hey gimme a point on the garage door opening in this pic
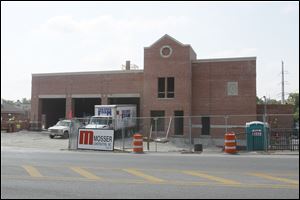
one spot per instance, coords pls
(85, 107)
(52, 111)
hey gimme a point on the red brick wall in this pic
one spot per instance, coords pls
(209, 88)
(178, 65)
(209, 92)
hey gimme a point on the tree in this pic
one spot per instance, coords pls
(259, 100)
(25, 101)
(269, 101)
(293, 99)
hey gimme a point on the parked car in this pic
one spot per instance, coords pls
(62, 128)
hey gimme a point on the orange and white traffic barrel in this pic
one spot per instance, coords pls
(230, 143)
(137, 143)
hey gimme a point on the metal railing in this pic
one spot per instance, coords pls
(284, 139)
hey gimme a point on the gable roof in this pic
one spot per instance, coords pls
(167, 36)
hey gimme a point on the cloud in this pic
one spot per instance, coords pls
(106, 40)
(60, 24)
(107, 23)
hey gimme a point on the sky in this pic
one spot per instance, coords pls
(49, 37)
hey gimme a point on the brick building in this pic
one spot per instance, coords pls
(173, 83)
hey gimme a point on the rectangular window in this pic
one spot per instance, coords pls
(159, 122)
(166, 87)
(170, 87)
(161, 88)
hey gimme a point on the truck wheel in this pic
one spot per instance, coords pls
(51, 136)
(66, 134)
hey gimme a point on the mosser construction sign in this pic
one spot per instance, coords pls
(96, 139)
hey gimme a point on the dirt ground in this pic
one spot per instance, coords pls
(41, 141)
(31, 139)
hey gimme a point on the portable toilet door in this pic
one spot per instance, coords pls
(256, 138)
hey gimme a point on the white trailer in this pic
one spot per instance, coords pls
(113, 117)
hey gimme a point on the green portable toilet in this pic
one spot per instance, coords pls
(256, 137)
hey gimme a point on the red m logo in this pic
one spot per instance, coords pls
(86, 137)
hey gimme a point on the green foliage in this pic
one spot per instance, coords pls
(269, 101)
(293, 99)
(25, 101)
(259, 100)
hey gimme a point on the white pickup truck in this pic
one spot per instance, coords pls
(62, 128)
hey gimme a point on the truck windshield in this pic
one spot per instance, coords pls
(101, 120)
(63, 123)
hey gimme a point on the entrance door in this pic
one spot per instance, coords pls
(160, 121)
(178, 122)
(205, 125)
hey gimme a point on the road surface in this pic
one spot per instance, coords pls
(34, 173)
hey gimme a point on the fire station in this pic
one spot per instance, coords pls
(174, 82)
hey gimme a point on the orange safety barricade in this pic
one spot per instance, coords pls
(137, 143)
(230, 143)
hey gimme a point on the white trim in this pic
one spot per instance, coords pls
(256, 122)
(224, 59)
(226, 147)
(86, 96)
(168, 47)
(91, 72)
(137, 140)
(52, 96)
(138, 147)
(124, 95)
(230, 141)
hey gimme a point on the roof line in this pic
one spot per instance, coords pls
(166, 35)
(90, 72)
(224, 59)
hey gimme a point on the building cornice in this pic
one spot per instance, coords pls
(225, 59)
(89, 73)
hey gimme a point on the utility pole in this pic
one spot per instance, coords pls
(282, 83)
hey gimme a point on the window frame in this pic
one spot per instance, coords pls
(166, 87)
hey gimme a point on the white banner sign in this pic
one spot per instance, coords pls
(96, 139)
(256, 132)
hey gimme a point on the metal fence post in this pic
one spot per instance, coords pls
(155, 119)
(123, 133)
(148, 138)
(190, 133)
(226, 123)
(70, 134)
(264, 119)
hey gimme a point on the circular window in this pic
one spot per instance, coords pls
(165, 51)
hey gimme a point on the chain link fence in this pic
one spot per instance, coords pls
(183, 133)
